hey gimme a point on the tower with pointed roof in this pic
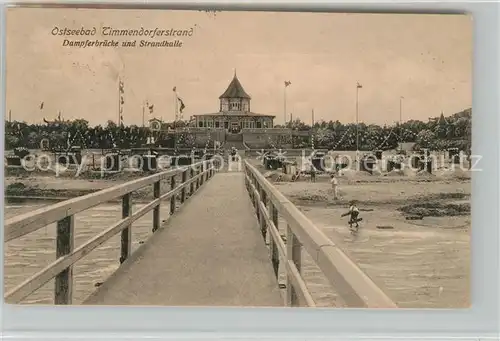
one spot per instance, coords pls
(235, 97)
(234, 115)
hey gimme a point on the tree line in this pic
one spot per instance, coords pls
(439, 133)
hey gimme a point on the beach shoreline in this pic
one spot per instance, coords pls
(45, 186)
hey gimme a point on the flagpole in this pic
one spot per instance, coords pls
(284, 104)
(41, 109)
(119, 101)
(175, 118)
(143, 105)
(401, 118)
(10, 116)
(176, 106)
(357, 121)
(312, 118)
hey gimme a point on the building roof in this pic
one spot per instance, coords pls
(235, 113)
(235, 90)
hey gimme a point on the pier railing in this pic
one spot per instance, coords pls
(192, 178)
(353, 286)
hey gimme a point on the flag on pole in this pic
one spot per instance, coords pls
(41, 106)
(181, 108)
(121, 88)
(287, 83)
(359, 86)
(180, 101)
(151, 108)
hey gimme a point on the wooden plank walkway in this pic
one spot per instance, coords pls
(210, 253)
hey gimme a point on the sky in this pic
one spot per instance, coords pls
(426, 59)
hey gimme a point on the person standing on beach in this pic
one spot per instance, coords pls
(313, 173)
(335, 183)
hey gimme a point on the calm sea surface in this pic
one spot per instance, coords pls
(417, 268)
(31, 253)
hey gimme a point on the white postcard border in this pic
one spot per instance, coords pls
(480, 321)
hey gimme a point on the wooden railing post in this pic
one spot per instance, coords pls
(126, 237)
(256, 200)
(250, 183)
(216, 165)
(202, 176)
(257, 187)
(263, 225)
(294, 254)
(65, 243)
(252, 193)
(183, 191)
(245, 171)
(207, 167)
(265, 232)
(156, 210)
(197, 183)
(275, 258)
(191, 186)
(172, 200)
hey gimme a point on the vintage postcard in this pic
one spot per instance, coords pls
(225, 158)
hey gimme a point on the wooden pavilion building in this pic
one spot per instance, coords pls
(235, 124)
(234, 112)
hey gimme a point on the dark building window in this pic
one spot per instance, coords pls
(200, 124)
(216, 124)
(259, 124)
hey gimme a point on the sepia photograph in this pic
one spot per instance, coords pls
(237, 158)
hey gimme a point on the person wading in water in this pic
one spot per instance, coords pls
(353, 216)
